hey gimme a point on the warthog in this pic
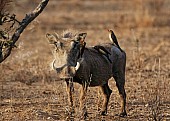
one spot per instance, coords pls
(89, 70)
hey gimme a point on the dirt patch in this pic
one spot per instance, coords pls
(29, 90)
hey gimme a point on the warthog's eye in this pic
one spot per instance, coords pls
(58, 44)
(61, 44)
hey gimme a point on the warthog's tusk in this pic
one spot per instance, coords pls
(53, 65)
(57, 69)
(77, 66)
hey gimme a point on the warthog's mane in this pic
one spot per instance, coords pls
(68, 34)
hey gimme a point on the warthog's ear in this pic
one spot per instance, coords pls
(52, 38)
(81, 37)
(82, 42)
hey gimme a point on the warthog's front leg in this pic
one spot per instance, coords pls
(70, 96)
(106, 92)
(83, 101)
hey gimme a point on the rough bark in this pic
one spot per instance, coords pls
(5, 52)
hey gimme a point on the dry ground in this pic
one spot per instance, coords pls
(29, 90)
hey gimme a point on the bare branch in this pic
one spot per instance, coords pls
(5, 52)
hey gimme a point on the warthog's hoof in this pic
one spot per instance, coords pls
(84, 115)
(71, 110)
(123, 114)
(103, 113)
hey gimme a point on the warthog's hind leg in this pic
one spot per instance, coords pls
(106, 92)
(120, 82)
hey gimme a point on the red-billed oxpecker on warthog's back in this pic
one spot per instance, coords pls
(89, 68)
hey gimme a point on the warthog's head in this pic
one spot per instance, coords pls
(67, 51)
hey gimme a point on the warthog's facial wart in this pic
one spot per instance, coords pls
(67, 51)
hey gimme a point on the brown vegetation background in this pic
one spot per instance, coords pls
(29, 90)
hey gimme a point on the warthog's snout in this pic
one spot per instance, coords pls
(66, 71)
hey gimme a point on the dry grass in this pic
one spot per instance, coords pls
(29, 90)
